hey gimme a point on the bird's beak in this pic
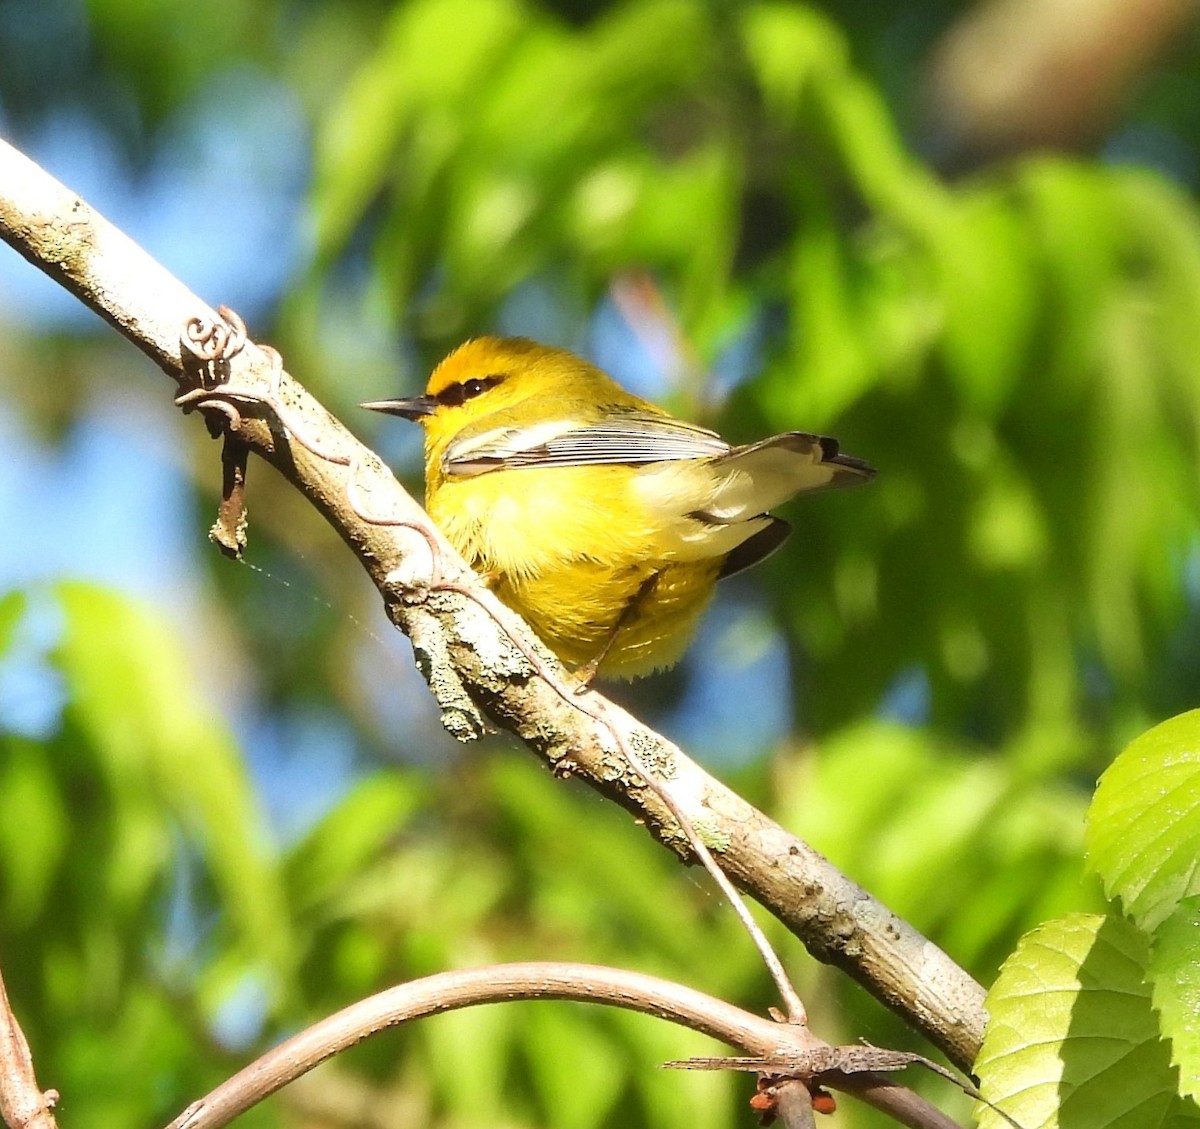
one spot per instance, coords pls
(413, 408)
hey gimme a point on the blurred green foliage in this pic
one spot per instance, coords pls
(144, 908)
(1015, 352)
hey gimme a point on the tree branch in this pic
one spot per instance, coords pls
(23, 1104)
(463, 638)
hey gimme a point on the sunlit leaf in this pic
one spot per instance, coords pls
(837, 363)
(414, 72)
(1175, 978)
(1075, 227)
(1143, 829)
(1073, 1040)
(983, 254)
(785, 44)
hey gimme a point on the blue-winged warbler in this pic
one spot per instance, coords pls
(601, 519)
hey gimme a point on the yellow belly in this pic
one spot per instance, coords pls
(569, 549)
(575, 608)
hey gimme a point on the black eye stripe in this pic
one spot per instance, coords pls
(454, 395)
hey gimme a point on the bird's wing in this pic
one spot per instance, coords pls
(628, 438)
(758, 477)
(766, 535)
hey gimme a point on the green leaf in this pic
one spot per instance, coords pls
(469, 1050)
(354, 833)
(553, 827)
(578, 1091)
(784, 45)
(34, 829)
(165, 754)
(434, 53)
(801, 61)
(837, 360)
(989, 294)
(1007, 850)
(1175, 977)
(1074, 219)
(12, 608)
(699, 1099)
(1073, 1040)
(1143, 828)
(1160, 222)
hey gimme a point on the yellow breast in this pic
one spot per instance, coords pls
(569, 548)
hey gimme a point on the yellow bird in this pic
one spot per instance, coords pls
(601, 519)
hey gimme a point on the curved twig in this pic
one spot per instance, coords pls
(537, 980)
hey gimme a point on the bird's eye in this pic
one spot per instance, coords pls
(479, 385)
(454, 395)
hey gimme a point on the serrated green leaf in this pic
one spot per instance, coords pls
(1143, 828)
(1073, 1042)
(1175, 980)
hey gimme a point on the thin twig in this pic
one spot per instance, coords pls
(793, 1006)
